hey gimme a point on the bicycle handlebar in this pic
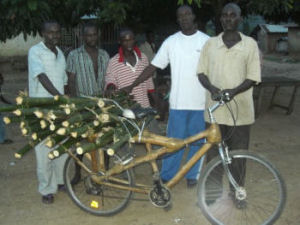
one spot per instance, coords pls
(222, 97)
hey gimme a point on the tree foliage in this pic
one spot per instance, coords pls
(271, 10)
(26, 16)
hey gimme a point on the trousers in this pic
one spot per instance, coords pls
(238, 139)
(49, 172)
(183, 124)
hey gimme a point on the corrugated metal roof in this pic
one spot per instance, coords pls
(276, 28)
(89, 17)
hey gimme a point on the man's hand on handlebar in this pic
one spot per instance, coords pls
(225, 95)
(228, 94)
(215, 93)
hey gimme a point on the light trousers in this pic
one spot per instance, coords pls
(49, 172)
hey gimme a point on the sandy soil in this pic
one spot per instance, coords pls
(275, 135)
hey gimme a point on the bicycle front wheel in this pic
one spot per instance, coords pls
(97, 199)
(262, 191)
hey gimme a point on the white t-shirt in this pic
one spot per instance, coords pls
(43, 60)
(183, 53)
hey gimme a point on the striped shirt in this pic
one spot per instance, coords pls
(122, 74)
(80, 63)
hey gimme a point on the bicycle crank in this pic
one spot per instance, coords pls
(160, 196)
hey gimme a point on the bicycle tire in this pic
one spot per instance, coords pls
(100, 200)
(265, 189)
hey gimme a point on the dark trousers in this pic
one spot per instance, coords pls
(238, 140)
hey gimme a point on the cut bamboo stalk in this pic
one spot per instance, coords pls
(78, 118)
(51, 101)
(100, 103)
(63, 99)
(51, 155)
(114, 147)
(7, 108)
(104, 117)
(38, 114)
(52, 127)
(25, 111)
(30, 128)
(43, 124)
(96, 123)
(19, 154)
(105, 139)
(40, 135)
(61, 131)
(11, 119)
(53, 140)
(63, 147)
(30, 102)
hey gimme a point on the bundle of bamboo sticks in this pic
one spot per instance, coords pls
(63, 122)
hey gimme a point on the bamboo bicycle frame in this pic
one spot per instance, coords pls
(168, 145)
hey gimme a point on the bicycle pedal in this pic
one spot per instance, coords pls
(93, 191)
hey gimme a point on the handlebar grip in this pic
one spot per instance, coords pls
(226, 97)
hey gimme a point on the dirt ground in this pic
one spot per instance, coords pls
(275, 135)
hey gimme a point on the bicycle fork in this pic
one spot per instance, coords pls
(240, 192)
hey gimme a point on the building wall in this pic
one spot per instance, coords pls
(294, 39)
(272, 41)
(18, 46)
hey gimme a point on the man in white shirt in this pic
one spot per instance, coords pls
(187, 97)
(47, 78)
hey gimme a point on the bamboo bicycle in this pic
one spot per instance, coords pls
(254, 196)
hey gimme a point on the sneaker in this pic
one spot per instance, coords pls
(48, 199)
(191, 183)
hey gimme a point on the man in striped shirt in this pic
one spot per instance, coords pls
(86, 65)
(126, 66)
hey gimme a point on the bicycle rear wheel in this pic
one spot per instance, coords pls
(100, 200)
(264, 191)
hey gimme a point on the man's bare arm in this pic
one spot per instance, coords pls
(47, 84)
(206, 83)
(232, 92)
(239, 89)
